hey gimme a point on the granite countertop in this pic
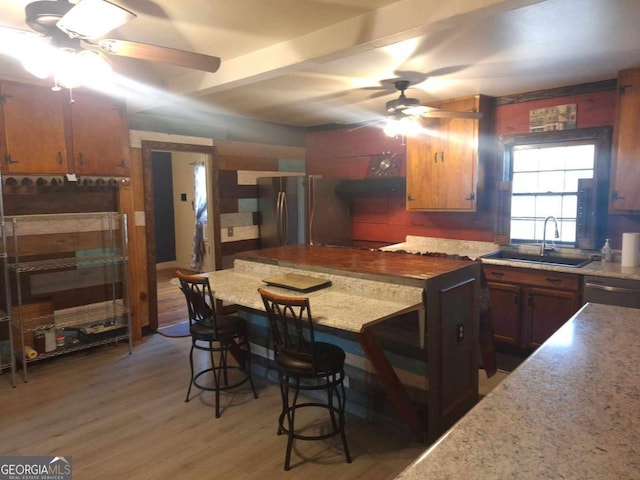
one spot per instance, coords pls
(595, 267)
(349, 304)
(571, 410)
(479, 250)
(422, 245)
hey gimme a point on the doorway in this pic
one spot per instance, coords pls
(210, 157)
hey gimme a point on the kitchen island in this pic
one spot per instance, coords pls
(379, 307)
(571, 410)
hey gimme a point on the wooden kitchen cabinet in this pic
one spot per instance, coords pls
(32, 131)
(625, 165)
(100, 136)
(42, 133)
(446, 168)
(528, 306)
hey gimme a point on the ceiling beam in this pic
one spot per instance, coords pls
(385, 26)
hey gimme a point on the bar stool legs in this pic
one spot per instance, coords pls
(219, 372)
(335, 406)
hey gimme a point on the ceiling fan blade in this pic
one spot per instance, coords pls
(365, 124)
(93, 19)
(450, 114)
(155, 53)
(432, 112)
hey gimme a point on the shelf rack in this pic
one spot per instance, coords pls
(7, 356)
(78, 242)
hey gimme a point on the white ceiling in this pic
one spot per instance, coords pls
(313, 62)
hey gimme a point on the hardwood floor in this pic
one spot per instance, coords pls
(172, 307)
(124, 416)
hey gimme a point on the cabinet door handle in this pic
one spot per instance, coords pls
(410, 198)
(471, 197)
(80, 159)
(497, 274)
(435, 157)
(442, 157)
(554, 280)
(59, 158)
(8, 160)
(616, 196)
(121, 163)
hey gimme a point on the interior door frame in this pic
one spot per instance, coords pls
(148, 147)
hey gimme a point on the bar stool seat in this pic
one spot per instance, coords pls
(218, 335)
(304, 365)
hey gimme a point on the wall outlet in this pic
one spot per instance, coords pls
(229, 231)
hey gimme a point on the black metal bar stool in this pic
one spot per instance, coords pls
(216, 334)
(304, 365)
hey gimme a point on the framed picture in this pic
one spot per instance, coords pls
(560, 117)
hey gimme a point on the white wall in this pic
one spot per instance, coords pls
(185, 219)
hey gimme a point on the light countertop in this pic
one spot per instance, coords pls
(349, 304)
(571, 410)
(464, 248)
(595, 267)
(474, 250)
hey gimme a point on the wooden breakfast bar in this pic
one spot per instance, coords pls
(369, 291)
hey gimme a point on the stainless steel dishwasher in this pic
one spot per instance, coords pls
(612, 291)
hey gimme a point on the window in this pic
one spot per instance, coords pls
(545, 182)
(557, 174)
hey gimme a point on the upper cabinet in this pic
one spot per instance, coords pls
(445, 167)
(41, 132)
(100, 136)
(625, 165)
(32, 134)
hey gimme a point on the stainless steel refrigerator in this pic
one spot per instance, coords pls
(302, 210)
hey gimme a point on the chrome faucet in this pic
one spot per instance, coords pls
(543, 247)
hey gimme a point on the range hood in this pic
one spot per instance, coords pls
(371, 186)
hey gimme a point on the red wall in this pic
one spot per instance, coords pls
(382, 219)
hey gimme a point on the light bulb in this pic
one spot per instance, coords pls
(94, 68)
(68, 69)
(391, 128)
(37, 58)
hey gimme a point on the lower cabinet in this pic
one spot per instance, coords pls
(528, 306)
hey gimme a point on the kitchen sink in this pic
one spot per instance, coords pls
(547, 259)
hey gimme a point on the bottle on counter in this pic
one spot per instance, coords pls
(606, 251)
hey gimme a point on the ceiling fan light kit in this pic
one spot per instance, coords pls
(68, 67)
(401, 126)
(66, 51)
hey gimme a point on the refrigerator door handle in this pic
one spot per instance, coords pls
(279, 217)
(285, 219)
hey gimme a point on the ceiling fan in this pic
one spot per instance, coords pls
(406, 106)
(81, 26)
(403, 112)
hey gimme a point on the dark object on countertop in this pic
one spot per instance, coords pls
(297, 282)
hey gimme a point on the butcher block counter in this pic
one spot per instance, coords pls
(438, 370)
(393, 267)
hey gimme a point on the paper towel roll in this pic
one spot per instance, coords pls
(29, 353)
(630, 249)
